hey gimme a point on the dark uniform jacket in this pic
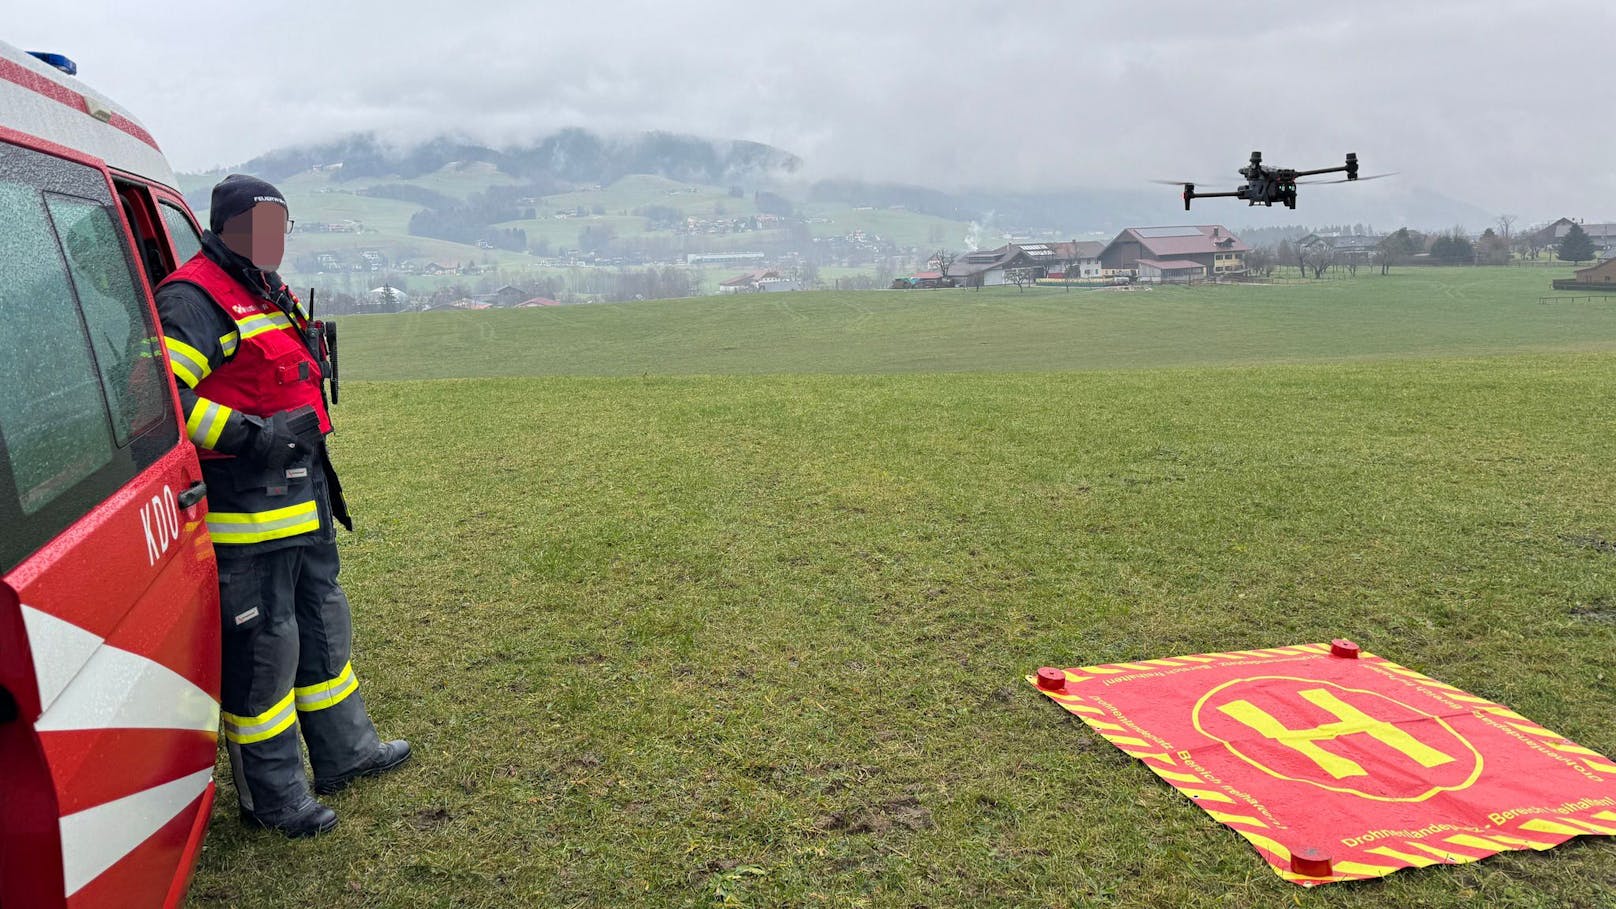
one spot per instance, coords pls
(239, 354)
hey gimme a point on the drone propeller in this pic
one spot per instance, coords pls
(1174, 182)
(1344, 180)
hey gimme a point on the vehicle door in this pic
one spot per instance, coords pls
(108, 587)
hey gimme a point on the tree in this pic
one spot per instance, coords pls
(1021, 277)
(1316, 257)
(1260, 261)
(1575, 247)
(1285, 253)
(595, 238)
(1396, 247)
(1505, 222)
(1453, 249)
(1491, 249)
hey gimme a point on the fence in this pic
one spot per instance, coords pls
(1590, 298)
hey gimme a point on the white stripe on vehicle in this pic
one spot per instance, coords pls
(95, 839)
(60, 650)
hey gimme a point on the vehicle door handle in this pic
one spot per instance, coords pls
(193, 494)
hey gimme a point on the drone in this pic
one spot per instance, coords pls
(1267, 185)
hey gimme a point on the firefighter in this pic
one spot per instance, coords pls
(252, 393)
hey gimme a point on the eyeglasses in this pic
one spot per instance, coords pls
(289, 223)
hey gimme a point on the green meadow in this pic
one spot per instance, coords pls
(728, 602)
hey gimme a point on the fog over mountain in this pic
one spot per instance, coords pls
(1483, 101)
(575, 157)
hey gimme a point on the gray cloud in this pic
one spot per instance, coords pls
(1495, 103)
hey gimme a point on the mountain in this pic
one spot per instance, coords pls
(572, 156)
(577, 159)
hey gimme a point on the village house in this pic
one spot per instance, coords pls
(1549, 237)
(1594, 277)
(1168, 252)
(758, 282)
(1076, 259)
(1354, 249)
(1168, 271)
(509, 295)
(1005, 265)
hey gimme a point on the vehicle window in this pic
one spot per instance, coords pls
(127, 350)
(51, 407)
(85, 403)
(186, 241)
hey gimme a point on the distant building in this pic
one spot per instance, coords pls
(1077, 258)
(1594, 277)
(758, 282)
(741, 258)
(536, 302)
(1210, 246)
(1549, 236)
(509, 295)
(1169, 271)
(994, 267)
(1356, 249)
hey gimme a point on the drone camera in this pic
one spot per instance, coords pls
(1352, 165)
(1189, 193)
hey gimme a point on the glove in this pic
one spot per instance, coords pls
(287, 436)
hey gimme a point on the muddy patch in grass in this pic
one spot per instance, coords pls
(900, 814)
(1600, 610)
(430, 818)
(1589, 541)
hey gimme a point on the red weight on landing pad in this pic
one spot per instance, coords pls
(1051, 679)
(1311, 863)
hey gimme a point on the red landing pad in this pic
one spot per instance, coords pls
(1339, 765)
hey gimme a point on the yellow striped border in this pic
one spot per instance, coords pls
(1534, 832)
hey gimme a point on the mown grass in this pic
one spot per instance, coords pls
(1418, 313)
(758, 639)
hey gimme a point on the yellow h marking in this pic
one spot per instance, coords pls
(1349, 721)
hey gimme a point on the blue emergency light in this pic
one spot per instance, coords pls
(58, 61)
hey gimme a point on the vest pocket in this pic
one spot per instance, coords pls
(292, 480)
(294, 368)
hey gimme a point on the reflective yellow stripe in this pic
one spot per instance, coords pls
(258, 526)
(258, 323)
(321, 695)
(206, 422)
(187, 362)
(228, 343)
(244, 730)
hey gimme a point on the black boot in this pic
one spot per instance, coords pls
(306, 818)
(388, 755)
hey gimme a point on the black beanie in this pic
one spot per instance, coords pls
(238, 193)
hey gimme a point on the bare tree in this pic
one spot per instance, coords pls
(1315, 257)
(1020, 277)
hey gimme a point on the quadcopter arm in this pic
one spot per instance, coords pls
(1322, 170)
(1190, 193)
(1350, 168)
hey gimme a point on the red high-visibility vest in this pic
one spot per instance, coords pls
(271, 368)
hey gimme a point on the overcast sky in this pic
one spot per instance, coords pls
(1503, 105)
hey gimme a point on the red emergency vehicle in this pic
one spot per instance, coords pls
(109, 627)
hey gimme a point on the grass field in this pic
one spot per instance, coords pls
(670, 627)
(1431, 312)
